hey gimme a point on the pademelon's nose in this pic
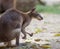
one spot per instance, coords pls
(41, 18)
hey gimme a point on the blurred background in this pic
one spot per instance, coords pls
(51, 6)
(46, 33)
(47, 30)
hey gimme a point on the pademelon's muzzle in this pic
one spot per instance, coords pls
(40, 17)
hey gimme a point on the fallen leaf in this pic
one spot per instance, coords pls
(46, 46)
(37, 40)
(58, 34)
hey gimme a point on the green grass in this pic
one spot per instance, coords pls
(48, 9)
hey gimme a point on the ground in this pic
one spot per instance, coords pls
(45, 33)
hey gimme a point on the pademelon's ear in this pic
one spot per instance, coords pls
(31, 11)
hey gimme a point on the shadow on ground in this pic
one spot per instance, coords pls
(26, 46)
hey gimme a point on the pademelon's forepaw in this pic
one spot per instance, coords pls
(31, 34)
(24, 37)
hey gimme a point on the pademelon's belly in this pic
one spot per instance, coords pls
(9, 36)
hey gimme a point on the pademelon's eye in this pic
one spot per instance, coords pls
(36, 14)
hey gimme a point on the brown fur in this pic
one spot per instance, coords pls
(12, 22)
(5, 6)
